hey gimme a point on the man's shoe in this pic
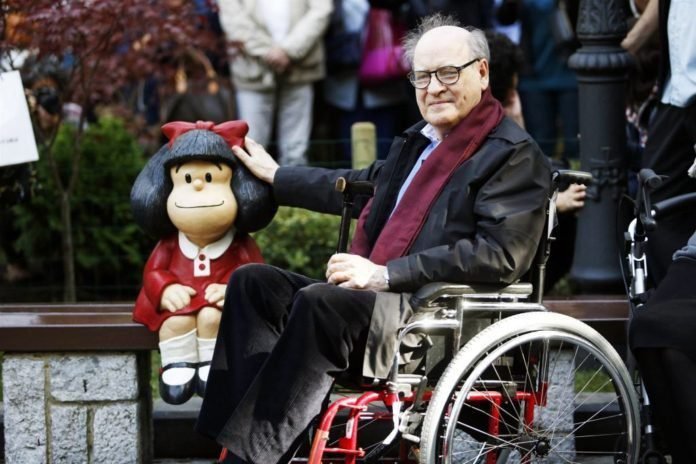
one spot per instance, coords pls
(179, 393)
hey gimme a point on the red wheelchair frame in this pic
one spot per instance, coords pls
(348, 449)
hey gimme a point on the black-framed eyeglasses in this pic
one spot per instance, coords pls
(447, 75)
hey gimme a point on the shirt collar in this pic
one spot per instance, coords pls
(429, 132)
(212, 250)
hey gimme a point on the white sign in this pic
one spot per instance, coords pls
(17, 143)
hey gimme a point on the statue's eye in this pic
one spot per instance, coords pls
(188, 178)
(208, 177)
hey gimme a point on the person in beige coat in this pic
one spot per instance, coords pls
(276, 54)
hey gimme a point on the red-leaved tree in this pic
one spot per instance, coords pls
(108, 44)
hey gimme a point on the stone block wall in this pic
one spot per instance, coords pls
(76, 408)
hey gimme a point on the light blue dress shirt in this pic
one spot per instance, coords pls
(680, 88)
(429, 132)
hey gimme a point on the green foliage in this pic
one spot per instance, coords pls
(300, 241)
(109, 247)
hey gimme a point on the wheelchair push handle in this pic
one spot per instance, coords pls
(571, 176)
(350, 190)
(649, 179)
(356, 187)
(647, 182)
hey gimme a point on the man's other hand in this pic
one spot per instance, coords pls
(353, 271)
(257, 159)
(571, 199)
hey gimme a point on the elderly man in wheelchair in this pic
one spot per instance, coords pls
(462, 197)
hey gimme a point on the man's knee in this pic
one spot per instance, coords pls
(250, 275)
(315, 295)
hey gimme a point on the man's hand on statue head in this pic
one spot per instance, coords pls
(353, 271)
(176, 296)
(257, 159)
(215, 294)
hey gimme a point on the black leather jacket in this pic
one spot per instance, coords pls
(484, 226)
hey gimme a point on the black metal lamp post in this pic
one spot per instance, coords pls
(601, 65)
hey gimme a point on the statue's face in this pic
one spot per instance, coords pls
(201, 204)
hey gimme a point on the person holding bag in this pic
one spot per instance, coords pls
(199, 94)
(381, 103)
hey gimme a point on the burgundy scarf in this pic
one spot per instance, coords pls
(404, 225)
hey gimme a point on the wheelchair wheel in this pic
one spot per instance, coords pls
(533, 388)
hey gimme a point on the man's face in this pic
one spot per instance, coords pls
(202, 204)
(444, 106)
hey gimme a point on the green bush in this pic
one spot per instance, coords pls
(300, 241)
(110, 249)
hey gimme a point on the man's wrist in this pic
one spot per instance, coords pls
(386, 276)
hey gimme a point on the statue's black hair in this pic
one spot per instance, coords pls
(256, 205)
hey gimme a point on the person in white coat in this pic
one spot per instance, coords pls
(276, 54)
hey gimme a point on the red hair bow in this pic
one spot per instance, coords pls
(232, 131)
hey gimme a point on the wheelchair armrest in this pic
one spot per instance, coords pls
(425, 296)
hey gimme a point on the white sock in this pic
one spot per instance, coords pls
(179, 349)
(206, 347)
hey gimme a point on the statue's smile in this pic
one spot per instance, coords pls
(199, 206)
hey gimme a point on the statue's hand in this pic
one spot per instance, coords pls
(176, 296)
(215, 294)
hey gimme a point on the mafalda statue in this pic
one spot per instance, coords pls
(201, 204)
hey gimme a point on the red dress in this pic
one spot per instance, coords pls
(169, 264)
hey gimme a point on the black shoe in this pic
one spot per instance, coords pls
(200, 383)
(177, 394)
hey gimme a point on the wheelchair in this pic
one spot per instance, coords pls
(504, 381)
(645, 219)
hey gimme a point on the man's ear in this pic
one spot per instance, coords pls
(483, 73)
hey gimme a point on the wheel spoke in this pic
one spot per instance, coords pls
(585, 397)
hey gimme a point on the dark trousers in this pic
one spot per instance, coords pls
(669, 377)
(669, 152)
(283, 337)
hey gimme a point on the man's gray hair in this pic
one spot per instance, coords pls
(477, 41)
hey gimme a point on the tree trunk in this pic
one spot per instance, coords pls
(69, 293)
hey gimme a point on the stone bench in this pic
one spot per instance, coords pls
(76, 382)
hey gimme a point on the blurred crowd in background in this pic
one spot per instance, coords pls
(292, 69)
(300, 72)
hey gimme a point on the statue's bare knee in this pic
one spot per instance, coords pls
(208, 322)
(175, 326)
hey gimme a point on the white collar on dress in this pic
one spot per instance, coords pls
(212, 250)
